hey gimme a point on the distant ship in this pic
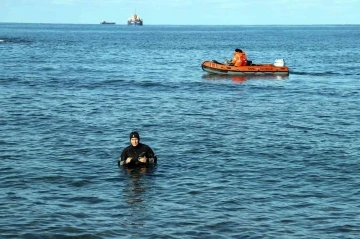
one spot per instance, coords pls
(135, 21)
(105, 22)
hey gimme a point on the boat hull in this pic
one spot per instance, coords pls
(135, 23)
(215, 67)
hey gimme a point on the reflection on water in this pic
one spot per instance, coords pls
(137, 184)
(242, 79)
(137, 187)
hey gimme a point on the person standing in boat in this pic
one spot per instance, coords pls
(137, 154)
(239, 58)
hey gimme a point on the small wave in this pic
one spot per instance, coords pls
(315, 73)
(47, 68)
(14, 40)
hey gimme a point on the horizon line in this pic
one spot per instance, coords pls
(124, 24)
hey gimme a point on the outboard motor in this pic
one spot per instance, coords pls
(279, 62)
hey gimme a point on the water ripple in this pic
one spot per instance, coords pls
(239, 157)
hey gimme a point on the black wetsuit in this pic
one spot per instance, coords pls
(135, 152)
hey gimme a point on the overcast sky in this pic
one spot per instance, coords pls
(183, 12)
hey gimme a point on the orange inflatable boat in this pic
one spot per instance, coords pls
(278, 68)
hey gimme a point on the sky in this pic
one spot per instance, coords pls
(183, 12)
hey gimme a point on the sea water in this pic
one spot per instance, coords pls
(238, 157)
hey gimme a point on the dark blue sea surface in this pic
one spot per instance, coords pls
(238, 157)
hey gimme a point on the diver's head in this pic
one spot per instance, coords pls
(134, 138)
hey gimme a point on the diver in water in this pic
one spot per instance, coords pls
(137, 154)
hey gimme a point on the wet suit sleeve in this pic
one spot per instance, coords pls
(151, 155)
(124, 155)
(122, 158)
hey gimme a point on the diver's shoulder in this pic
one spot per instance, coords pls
(144, 145)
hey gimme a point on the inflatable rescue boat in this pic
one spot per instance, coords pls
(277, 68)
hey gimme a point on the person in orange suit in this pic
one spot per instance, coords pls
(239, 58)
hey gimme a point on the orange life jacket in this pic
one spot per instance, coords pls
(239, 59)
(243, 58)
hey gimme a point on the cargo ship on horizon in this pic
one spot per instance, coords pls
(105, 22)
